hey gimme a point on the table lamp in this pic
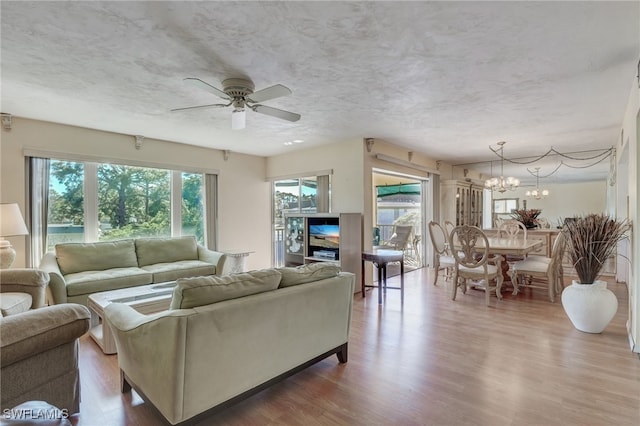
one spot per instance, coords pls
(11, 224)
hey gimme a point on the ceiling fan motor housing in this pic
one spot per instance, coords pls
(237, 87)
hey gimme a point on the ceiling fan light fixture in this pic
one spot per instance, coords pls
(238, 119)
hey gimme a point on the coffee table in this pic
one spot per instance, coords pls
(146, 299)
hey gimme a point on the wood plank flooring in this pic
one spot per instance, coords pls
(433, 361)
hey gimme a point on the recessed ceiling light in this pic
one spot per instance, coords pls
(298, 141)
(289, 143)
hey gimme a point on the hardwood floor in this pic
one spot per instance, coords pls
(432, 362)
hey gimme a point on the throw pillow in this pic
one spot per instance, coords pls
(307, 273)
(100, 256)
(200, 291)
(165, 250)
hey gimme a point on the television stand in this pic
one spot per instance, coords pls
(311, 259)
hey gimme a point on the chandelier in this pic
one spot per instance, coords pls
(537, 193)
(501, 184)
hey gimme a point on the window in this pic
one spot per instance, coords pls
(66, 203)
(100, 202)
(502, 209)
(294, 196)
(133, 202)
(505, 205)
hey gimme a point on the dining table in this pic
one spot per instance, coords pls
(510, 246)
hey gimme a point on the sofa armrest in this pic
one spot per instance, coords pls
(214, 257)
(123, 318)
(22, 280)
(57, 290)
(38, 330)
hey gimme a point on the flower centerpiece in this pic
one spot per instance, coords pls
(527, 217)
(590, 241)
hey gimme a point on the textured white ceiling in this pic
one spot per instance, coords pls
(448, 79)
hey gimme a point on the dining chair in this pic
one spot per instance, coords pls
(541, 271)
(448, 227)
(472, 261)
(512, 229)
(443, 258)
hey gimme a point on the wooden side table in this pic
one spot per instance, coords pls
(380, 258)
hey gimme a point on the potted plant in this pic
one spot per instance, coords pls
(589, 241)
(527, 217)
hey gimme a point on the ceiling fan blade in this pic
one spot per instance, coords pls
(202, 106)
(206, 86)
(275, 112)
(269, 93)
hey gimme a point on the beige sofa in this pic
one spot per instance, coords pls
(228, 337)
(77, 270)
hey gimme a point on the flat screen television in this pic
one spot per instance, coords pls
(324, 237)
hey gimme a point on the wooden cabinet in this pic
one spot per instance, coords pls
(462, 202)
(324, 237)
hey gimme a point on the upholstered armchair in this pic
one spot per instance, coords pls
(38, 344)
(39, 356)
(22, 289)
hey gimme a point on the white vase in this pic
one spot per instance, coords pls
(590, 307)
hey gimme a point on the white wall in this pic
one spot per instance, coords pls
(243, 197)
(564, 200)
(629, 143)
(344, 158)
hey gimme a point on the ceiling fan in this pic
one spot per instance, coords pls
(239, 94)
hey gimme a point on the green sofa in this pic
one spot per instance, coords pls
(77, 270)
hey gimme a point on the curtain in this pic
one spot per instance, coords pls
(38, 210)
(322, 194)
(211, 210)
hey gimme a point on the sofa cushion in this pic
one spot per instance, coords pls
(165, 250)
(14, 303)
(79, 257)
(182, 269)
(199, 291)
(307, 273)
(89, 282)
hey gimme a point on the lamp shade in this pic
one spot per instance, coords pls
(11, 221)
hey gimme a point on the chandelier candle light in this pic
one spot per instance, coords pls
(537, 193)
(502, 184)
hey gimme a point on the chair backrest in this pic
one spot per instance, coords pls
(438, 238)
(512, 229)
(557, 251)
(470, 246)
(400, 237)
(543, 223)
(448, 227)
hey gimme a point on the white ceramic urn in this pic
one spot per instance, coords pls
(590, 307)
